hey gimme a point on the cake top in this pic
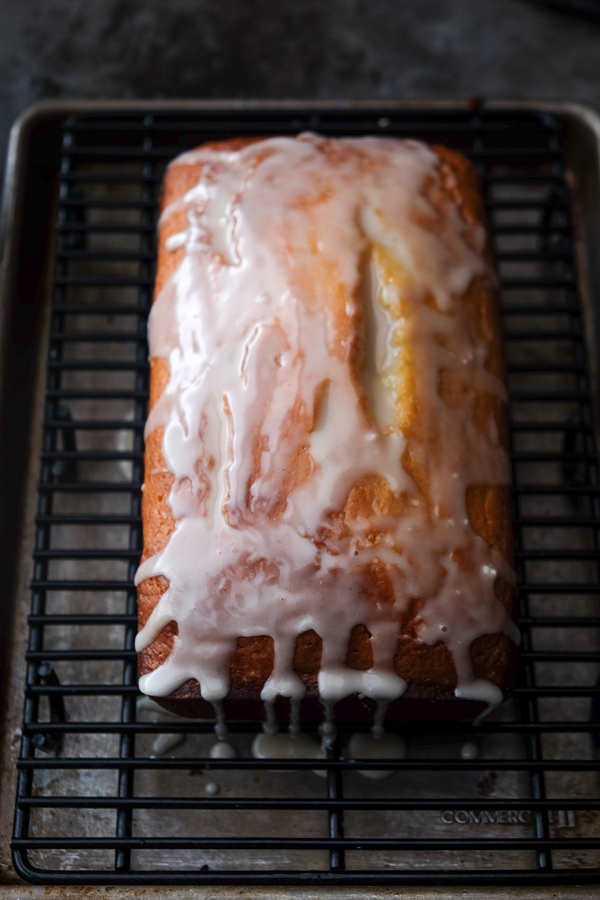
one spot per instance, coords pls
(321, 416)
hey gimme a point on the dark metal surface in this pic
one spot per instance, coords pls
(92, 799)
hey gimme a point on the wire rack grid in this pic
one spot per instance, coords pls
(96, 800)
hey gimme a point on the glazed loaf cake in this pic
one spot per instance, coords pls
(326, 503)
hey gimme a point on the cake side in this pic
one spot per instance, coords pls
(428, 667)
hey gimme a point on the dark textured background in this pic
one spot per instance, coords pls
(292, 48)
(321, 49)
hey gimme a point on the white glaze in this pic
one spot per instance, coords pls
(258, 376)
(176, 240)
(270, 724)
(327, 728)
(164, 743)
(469, 750)
(147, 704)
(378, 729)
(477, 689)
(286, 746)
(370, 746)
(221, 730)
(222, 750)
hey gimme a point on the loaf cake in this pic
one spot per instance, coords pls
(326, 502)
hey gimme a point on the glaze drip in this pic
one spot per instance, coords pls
(316, 274)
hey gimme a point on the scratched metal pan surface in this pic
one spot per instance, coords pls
(78, 230)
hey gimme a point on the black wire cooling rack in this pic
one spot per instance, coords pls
(96, 802)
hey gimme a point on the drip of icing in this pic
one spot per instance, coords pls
(327, 728)
(328, 732)
(375, 747)
(176, 240)
(164, 743)
(221, 730)
(294, 726)
(378, 730)
(222, 750)
(469, 750)
(271, 744)
(211, 788)
(479, 689)
(263, 373)
(270, 724)
(147, 704)
(286, 746)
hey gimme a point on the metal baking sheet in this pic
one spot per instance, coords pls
(23, 329)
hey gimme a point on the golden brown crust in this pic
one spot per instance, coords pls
(428, 669)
